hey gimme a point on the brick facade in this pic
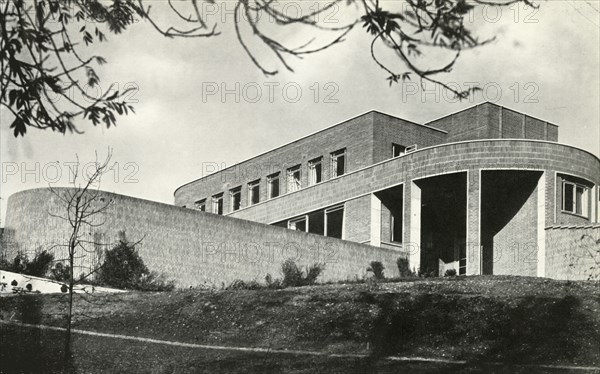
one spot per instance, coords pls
(191, 247)
(472, 143)
(573, 252)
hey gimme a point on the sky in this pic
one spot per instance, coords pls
(201, 101)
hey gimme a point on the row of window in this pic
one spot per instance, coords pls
(293, 183)
(327, 222)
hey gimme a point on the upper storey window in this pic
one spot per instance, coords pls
(200, 205)
(217, 204)
(398, 150)
(338, 163)
(254, 192)
(315, 171)
(293, 179)
(273, 185)
(575, 198)
(236, 198)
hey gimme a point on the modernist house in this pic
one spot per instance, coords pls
(477, 190)
(486, 190)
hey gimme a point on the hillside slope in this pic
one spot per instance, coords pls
(479, 319)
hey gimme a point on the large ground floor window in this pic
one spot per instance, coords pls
(327, 222)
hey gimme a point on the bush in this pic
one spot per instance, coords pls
(293, 276)
(155, 282)
(272, 284)
(60, 272)
(377, 269)
(450, 273)
(38, 267)
(239, 284)
(404, 268)
(124, 268)
(40, 264)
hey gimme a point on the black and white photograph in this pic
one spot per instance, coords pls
(299, 186)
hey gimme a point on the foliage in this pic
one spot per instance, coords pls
(43, 64)
(450, 273)
(38, 267)
(153, 281)
(123, 267)
(294, 276)
(239, 284)
(376, 267)
(61, 272)
(404, 267)
(43, 61)
(273, 284)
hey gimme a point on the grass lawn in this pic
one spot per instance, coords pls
(479, 319)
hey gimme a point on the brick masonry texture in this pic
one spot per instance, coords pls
(482, 138)
(446, 158)
(191, 247)
(515, 247)
(573, 253)
(490, 121)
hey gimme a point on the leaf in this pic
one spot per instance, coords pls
(19, 127)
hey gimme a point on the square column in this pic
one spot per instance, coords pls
(473, 242)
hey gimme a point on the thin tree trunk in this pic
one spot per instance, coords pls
(67, 356)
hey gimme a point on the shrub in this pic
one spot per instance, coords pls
(377, 269)
(60, 272)
(41, 263)
(272, 284)
(155, 282)
(18, 264)
(124, 268)
(404, 268)
(450, 273)
(38, 267)
(293, 276)
(239, 284)
(313, 273)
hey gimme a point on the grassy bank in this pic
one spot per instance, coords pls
(479, 319)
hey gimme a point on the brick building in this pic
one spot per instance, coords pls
(486, 190)
(475, 190)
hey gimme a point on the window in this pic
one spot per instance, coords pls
(328, 222)
(315, 168)
(293, 179)
(338, 163)
(200, 205)
(298, 224)
(254, 192)
(396, 228)
(217, 204)
(398, 150)
(575, 199)
(334, 222)
(273, 186)
(236, 198)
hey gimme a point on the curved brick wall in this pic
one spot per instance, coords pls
(189, 246)
(469, 156)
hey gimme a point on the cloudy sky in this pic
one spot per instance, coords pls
(544, 63)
